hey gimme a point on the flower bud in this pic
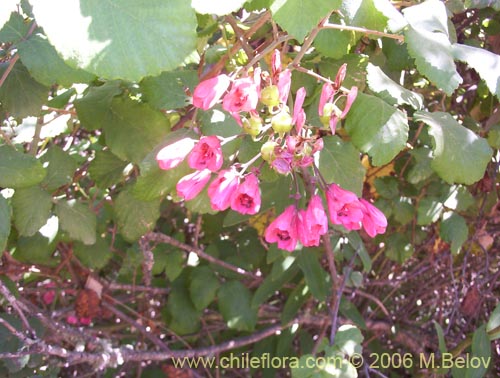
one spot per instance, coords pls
(252, 126)
(267, 151)
(270, 96)
(282, 122)
(328, 110)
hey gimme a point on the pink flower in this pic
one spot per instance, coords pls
(208, 92)
(351, 96)
(299, 116)
(344, 207)
(49, 296)
(327, 93)
(275, 63)
(222, 188)
(312, 223)
(283, 230)
(191, 185)
(172, 155)
(284, 83)
(207, 154)
(85, 320)
(72, 320)
(374, 221)
(246, 198)
(243, 96)
(339, 78)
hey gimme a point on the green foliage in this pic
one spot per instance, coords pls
(77, 220)
(234, 305)
(5, 215)
(18, 170)
(31, 207)
(138, 43)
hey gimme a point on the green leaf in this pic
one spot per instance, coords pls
(294, 302)
(460, 156)
(185, 318)
(387, 186)
(216, 122)
(484, 62)
(377, 128)
(35, 249)
(298, 17)
(481, 349)
(94, 256)
(334, 43)
(429, 210)
(493, 323)
(127, 39)
(217, 7)
(4, 222)
(20, 94)
(106, 169)
(167, 91)
(428, 42)
(494, 136)
(422, 169)
(340, 162)
(273, 283)
(454, 230)
(46, 66)
(349, 338)
(18, 170)
(130, 123)
(134, 217)
(364, 13)
(14, 29)
(390, 91)
(203, 286)
(350, 311)
(174, 264)
(6, 7)
(441, 339)
(315, 276)
(77, 220)
(31, 207)
(495, 4)
(234, 305)
(359, 247)
(157, 182)
(399, 248)
(95, 105)
(201, 203)
(60, 168)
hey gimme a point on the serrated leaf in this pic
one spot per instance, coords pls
(459, 155)
(46, 66)
(94, 106)
(94, 256)
(143, 38)
(130, 123)
(364, 13)
(77, 220)
(135, 217)
(60, 168)
(18, 170)
(390, 91)
(234, 305)
(15, 29)
(203, 286)
(31, 207)
(340, 162)
(428, 42)
(377, 128)
(20, 94)
(35, 249)
(4, 222)
(217, 7)
(167, 91)
(483, 61)
(106, 169)
(298, 17)
(314, 274)
(454, 230)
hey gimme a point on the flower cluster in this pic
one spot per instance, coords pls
(307, 226)
(229, 189)
(260, 104)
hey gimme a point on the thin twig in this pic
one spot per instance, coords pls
(6, 73)
(398, 37)
(16, 305)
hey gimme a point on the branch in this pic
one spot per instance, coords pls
(398, 37)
